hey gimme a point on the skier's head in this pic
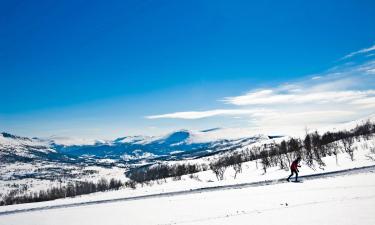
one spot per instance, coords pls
(299, 158)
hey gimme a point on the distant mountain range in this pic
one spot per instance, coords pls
(176, 145)
(22, 149)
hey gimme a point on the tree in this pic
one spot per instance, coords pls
(348, 146)
(309, 155)
(284, 150)
(219, 169)
(103, 184)
(317, 148)
(237, 167)
(264, 160)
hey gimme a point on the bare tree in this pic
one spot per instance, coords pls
(309, 157)
(219, 169)
(348, 146)
(237, 168)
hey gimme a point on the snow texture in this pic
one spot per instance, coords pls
(337, 200)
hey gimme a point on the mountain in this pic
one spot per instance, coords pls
(22, 149)
(179, 144)
(47, 161)
(34, 163)
(175, 145)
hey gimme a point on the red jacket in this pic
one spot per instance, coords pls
(294, 165)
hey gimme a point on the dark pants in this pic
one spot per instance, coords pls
(293, 172)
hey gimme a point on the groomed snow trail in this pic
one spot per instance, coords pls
(345, 197)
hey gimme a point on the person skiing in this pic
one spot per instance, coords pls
(294, 168)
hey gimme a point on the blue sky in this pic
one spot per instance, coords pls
(111, 68)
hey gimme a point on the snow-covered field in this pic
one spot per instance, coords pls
(344, 199)
(47, 169)
(363, 156)
(253, 196)
(340, 200)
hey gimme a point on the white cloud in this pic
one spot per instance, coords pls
(365, 102)
(343, 85)
(289, 117)
(365, 50)
(344, 93)
(268, 97)
(316, 77)
(205, 114)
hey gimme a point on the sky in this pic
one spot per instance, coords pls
(104, 69)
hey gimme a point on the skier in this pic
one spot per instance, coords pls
(294, 168)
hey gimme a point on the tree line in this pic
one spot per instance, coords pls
(162, 171)
(72, 189)
(312, 148)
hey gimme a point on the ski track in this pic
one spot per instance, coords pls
(241, 213)
(366, 169)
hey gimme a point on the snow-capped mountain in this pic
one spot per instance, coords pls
(178, 144)
(47, 161)
(22, 149)
(175, 145)
(33, 163)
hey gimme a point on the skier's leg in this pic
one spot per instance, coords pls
(296, 176)
(291, 174)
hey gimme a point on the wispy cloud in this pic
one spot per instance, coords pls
(347, 85)
(362, 51)
(268, 97)
(209, 113)
(343, 93)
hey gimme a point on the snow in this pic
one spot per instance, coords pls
(349, 125)
(74, 141)
(363, 157)
(213, 135)
(346, 199)
(138, 155)
(194, 136)
(45, 173)
(338, 200)
(21, 141)
(132, 139)
(20, 146)
(222, 134)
